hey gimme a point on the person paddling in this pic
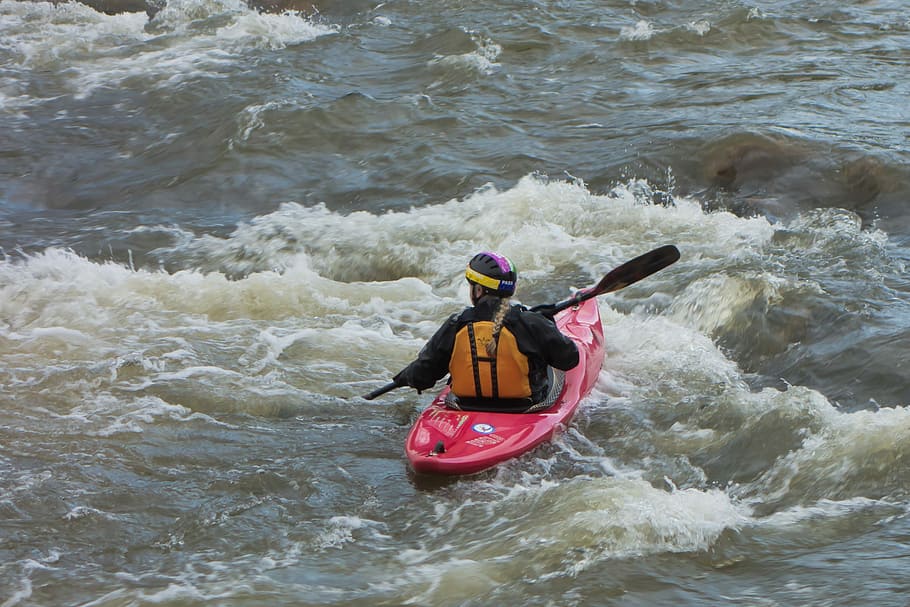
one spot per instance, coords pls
(497, 353)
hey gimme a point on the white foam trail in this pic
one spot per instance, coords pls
(253, 29)
(107, 415)
(589, 521)
(341, 530)
(824, 509)
(27, 567)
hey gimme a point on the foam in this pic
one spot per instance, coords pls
(642, 30)
(482, 60)
(171, 50)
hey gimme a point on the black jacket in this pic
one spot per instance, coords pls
(538, 338)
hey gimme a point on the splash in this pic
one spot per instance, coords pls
(432, 242)
(641, 31)
(481, 61)
(851, 456)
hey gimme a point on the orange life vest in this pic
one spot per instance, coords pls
(476, 375)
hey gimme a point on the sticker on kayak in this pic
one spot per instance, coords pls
(483, 428)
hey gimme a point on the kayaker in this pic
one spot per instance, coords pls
(497, 353)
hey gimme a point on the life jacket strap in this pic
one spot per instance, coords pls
(476, 359)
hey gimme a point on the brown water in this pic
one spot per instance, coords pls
(220, 228)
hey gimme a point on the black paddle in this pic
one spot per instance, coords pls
(620, 277)
(380, 391)
(617, 278)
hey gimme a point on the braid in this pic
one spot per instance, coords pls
(498, 319)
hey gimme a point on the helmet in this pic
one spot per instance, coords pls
(493, 272)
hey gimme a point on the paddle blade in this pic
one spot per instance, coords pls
(634, 270)
(618, 278)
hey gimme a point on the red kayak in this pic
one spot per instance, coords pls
(450, 441)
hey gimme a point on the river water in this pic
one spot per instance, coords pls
(220, 227)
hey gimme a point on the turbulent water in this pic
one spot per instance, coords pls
(219, 228)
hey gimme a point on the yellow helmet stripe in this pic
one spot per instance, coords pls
(486, 281)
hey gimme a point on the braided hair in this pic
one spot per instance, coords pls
(498, 318)
(497, 275)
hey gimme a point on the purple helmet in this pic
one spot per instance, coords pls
(494, 272)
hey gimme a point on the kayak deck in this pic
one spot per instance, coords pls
(449, 441)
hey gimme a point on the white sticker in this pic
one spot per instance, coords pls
(483, 428)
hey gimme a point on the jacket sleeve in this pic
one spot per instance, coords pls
(555, 347)
(432, 362)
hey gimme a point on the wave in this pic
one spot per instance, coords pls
(781, 173)
(283, 322)
(187, 39)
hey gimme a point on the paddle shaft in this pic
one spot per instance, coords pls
(380, 391)
(630, 272)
